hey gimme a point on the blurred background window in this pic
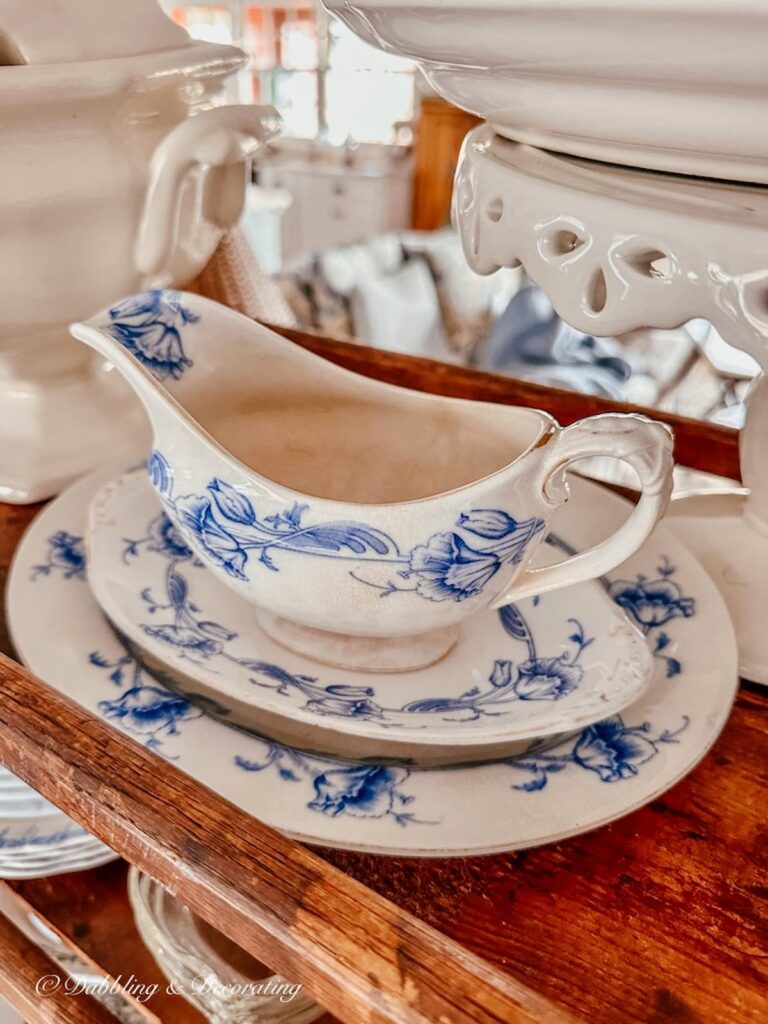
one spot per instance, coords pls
(326, 83)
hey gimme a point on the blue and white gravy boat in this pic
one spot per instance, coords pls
(532, 670)
(365, 521)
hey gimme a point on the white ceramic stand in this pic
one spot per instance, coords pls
(617, 249)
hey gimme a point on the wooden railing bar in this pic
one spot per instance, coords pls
(359, 955)
(36, 987)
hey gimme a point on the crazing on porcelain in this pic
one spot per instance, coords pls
(196, 637)
(449, 566)
(612, 750)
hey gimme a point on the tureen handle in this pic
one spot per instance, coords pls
(216, 141)
(646, 445)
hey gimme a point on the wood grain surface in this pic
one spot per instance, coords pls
(92, 915)
(660, 917)
(23, 967)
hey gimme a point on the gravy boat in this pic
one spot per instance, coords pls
(365, 521)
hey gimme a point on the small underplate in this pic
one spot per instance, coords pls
(734, 551)
(604, 772)
(532, 670)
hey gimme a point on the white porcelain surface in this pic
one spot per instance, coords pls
(116, 170)
(348, 506)
(617, 249)
(58, 31)
(678, 85)
(222, 981)
(545, 666)
(607, 771)
(739, 567)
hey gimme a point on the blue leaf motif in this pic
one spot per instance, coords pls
(214, 629)
(177, 589)
(160, 473)
(513, 623)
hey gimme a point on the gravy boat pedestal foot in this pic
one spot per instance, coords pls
(360, 653)
(338, 504)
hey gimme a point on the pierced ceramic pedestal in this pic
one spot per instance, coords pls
(617, 249)
(58, 424)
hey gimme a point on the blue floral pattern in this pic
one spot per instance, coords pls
(182, 625)
(451, 566)
(359, 791)
(650, 603)
(66, 554)
(155, 715)
(610, 749)
(149, 712)
(148, 326)
(34, 838)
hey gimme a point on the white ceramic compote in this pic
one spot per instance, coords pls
(353, 513)
(676, 85)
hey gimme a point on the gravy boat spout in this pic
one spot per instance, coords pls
(363, 520)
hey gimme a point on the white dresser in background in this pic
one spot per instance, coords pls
(335, 204)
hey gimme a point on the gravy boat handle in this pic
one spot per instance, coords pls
(646, 446)
(220, 141)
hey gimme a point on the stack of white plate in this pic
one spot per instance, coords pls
(37, 839)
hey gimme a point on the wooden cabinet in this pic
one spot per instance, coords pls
(335, 206)
(439, 134)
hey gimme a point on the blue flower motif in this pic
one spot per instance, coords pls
(220, 545)
(166, 539)
(652, 603)
(362, 791)
(160, 474)
(149, 711)
(612, 750)
(231, 503)
(148, 326)
(66, 553)
(547, 678)
(448, 569)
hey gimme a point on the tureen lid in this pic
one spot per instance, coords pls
(61, 31)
